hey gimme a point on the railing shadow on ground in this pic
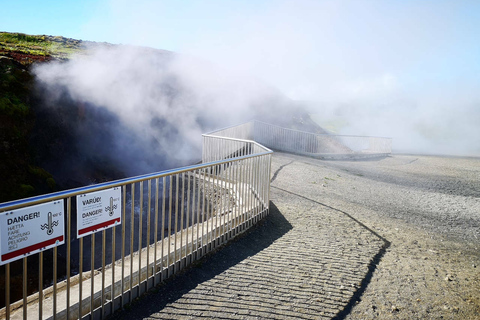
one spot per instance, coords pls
(372, 265)
(261, 236)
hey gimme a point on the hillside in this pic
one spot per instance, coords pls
(74, 113)
(20, 175)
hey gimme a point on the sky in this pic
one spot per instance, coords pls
(387, 67)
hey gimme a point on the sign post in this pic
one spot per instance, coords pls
(98, 210)
(29, 230)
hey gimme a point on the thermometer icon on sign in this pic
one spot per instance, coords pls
(111, 207)
(49, 225)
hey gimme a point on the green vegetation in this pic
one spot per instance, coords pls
(14, 89)
(41, 45)
(20, 176)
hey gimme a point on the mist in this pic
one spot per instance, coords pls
(135, 110)
(407, 70)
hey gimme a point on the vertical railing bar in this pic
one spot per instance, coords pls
(163, 225)
(69, 219)
(195, 206)
(207, 195)
(182, 207)
(7, 291)
(242, 196)
(103, 271)
(176, 225)
(92, 275)
(236, 199)
(40, 285)
(268, 164)
(232, 204)
(187, 217)
(232, 194)
(228, 189)
(268, 179)
(204, 200)
(24, 289)
(220, 205)
(254, 188)
(227, 199)
(112, 288)
(216, 208)
(263, 178)
(251, 192)
(199, 190)
(124, 222)
(55, 282)
(132, 227)
(211, 207)
(140, 229)
(263, 181)
(226, 219)
(80, 277)
(169, 224)
(155, 236)
(259, 195)
(246, 211)
(248, 187)
(237, 191)
(268, 160)
(149, 225)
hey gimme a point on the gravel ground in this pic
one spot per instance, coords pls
(427, 208)
(395, 238)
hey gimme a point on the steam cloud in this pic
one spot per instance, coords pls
(407, 70)
(146, 109)
(404, 70)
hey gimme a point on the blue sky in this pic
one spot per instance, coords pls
(351, 43)
(381, 56)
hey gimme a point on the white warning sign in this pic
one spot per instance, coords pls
(26, 231)
(98, 211)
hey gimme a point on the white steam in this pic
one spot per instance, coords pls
(166, 101)
(405, 69)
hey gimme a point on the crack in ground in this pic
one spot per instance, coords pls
(279, 169)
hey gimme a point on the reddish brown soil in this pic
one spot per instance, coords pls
(24, 58)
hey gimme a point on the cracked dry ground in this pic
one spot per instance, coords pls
(396, 238)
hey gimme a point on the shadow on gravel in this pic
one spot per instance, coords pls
(371, 269)
(372, 265)
(245, 245)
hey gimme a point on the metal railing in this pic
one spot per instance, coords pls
(320, 145)
(168, 220)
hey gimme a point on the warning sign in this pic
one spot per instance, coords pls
(26, 231)
(98, 211)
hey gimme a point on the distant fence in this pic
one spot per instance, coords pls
(295, 141)
(319, 145)
(85, 253)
